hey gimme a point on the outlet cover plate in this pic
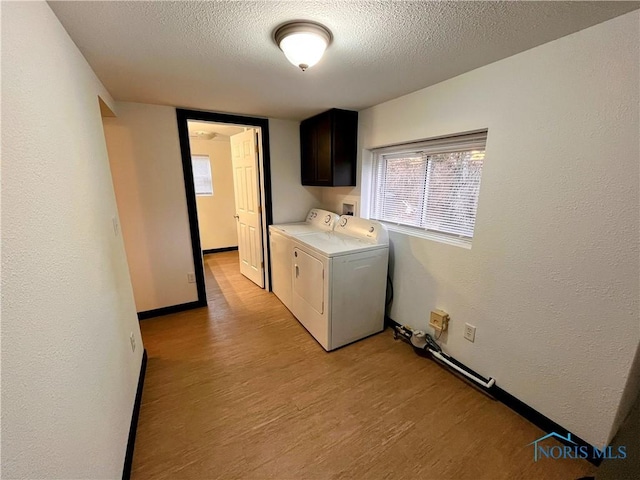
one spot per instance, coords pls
(470, 332)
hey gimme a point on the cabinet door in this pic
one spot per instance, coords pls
(324, 161)
(308, 151)
(345, 138)
(328, 149)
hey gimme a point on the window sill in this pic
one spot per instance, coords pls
(428, 235)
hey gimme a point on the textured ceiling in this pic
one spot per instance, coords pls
(220, 56)
(219, 128)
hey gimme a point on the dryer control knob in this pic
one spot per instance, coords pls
(343, 222)
(371, 229)
(327, 219)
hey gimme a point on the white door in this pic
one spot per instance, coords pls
(244, 155)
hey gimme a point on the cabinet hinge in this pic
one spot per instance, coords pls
(261, 264)
(259, 210)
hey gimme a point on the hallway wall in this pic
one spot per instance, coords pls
(144, 153)
(69, 374)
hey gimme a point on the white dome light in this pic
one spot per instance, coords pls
(303, 43)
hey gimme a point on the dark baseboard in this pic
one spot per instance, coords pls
(390, 322)
(169, 310)
(128, 458)
(218, 250)
(538, 419)
(544, 423)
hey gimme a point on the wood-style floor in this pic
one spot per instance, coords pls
(240, 390)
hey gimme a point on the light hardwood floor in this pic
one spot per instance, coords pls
(240, 390)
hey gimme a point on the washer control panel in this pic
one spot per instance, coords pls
(322, 219)
(368, 230)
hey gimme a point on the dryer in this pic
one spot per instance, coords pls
(280, 241)
(339, 281)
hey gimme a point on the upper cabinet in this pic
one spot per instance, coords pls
(328, 149)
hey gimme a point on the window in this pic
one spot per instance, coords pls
(431, 186)
(202, 174)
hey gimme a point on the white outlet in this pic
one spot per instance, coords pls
(469, 332)
(116, 227)
(133, 342)
(191, 277)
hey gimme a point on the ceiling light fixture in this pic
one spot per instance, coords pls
(303, 42)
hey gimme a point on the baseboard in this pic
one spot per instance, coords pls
(544, 423)
(218, 250)
(158, 312)
(128, 458)
(390, 322)
(532, 415)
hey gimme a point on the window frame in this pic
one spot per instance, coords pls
(475, 140)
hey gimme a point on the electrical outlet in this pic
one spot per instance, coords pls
(133, 342)
(469, 332)
(191, 277)
(439, 320)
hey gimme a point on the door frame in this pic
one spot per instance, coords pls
(264, 173)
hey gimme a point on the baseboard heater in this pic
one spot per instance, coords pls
(424, 343)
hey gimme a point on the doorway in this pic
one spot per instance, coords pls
(250, 180)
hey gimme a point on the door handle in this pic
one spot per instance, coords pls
(297, 271)
(237, 217)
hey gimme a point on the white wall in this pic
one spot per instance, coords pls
(290, 199)
(217, 225)
(69, 376)
(551, 281)
(144, 153)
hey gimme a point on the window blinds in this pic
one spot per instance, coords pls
(432, 185)
(202, 174)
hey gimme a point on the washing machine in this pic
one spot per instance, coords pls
(339, 281)
(280, 242)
